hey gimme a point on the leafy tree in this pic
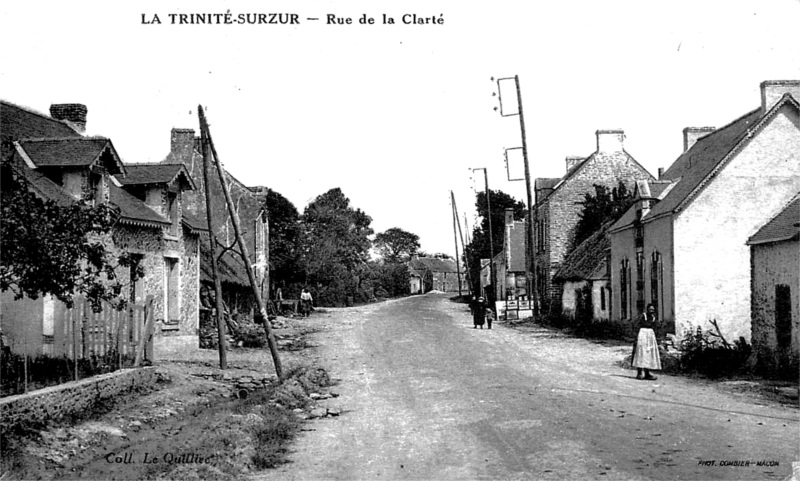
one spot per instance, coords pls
(335, 242)
(396, 245)
(284, 239)
(606, 205)
(54, 249)
(478, 248)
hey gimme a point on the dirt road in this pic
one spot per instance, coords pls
(426, 396)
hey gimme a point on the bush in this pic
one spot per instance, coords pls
(704, 352)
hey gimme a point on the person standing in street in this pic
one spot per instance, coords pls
(305, 302)
(645, 351)
(479, 313)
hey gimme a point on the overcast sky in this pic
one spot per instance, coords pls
(396, 115)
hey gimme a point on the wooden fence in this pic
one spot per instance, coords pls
(81, 333)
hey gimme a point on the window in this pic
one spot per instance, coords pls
(172, 212)
(655, 271)
(623, 288)
(602, 298)
(172, 312)
(783, 316)
(639, 283)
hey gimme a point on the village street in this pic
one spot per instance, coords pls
(426, 396)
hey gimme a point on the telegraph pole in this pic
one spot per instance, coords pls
(529, 250)
(455, 238)
(491, 242)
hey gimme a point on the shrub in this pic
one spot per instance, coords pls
(704, 352)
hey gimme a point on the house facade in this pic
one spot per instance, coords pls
(512, 292)
(683, 250)
(557, 204)
(775, 291)
(60, 164)
(435, 274)
(250, 204)
(584, 279)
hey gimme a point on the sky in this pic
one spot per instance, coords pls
(397, 115)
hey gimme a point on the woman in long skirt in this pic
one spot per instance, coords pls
(645, 351)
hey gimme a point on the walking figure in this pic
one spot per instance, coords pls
(478, 313)
(305, 303)
(645, 351)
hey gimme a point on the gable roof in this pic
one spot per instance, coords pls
(784, 226)
(134, 211)
(433, 264)
(20, 123)
(71, 152)
(158, 173)
(695, 167)
(658, 189)
(587, 260)
(573, 171)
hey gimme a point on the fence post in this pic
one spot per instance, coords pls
(144, 339)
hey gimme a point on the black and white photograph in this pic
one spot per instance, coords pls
(354, 240)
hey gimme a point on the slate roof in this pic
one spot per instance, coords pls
(433, 264)
(157, 173)
(68, 152)
(230, 267)
(545, 183)
(20, 123)
(43, 186)
(783, 227)
(587, 260)
(133, 210)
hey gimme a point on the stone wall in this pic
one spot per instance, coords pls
(58, 401)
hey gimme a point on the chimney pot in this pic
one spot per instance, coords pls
(610, 140)
(660, 172)
(693, 134)
(773, 90)
(73, 114)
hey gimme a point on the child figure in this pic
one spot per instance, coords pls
(489, 317)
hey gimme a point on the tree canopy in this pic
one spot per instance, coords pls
(284, 239)
(396, 245)
(605, 205)
(59, 250)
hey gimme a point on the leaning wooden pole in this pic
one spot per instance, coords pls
(212, 240)
(455, 238)
(463, 246)
(261, 310)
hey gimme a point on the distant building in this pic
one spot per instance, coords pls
(683, 249)
(775, 293)
(434, 274)
(512, 290)
(557, 204)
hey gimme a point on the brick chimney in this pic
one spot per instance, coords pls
(693, 134)
(573, 160)
(73, 114)
(610, 140)
(182, 145)
(773, 90)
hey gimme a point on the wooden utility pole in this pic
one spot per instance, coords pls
(455, 238)
(261, 311)
(531, 267)
(491, 242)
(212, 241)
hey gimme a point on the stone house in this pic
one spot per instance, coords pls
(437, 274)
(584, 279)
(557, 208)
(61, 164)
(250, 205)
(775, 291)
(683, 249)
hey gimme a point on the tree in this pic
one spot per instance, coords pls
(478, 248)
(606, 205)
(335, 242)
(396, 245)
(284, 239)
(61, 250)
